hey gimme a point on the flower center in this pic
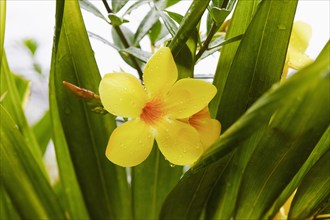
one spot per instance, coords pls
(152, 111)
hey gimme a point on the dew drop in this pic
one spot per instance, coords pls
(184, 150)
(172, 165)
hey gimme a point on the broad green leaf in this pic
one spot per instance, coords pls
(322, 146)
(23, 88)
(6, 206)
(88, 6)
(73, 197)
(313, 191)
(151, 182)
(103, 185)
(42, 131)
(117, 5)
(146, 24)
(199, 181)
(259, 60)
(23, 180)
(251, 87)
(188, 25)
(12, 102)
(242, 16)
(2, 27)
(138, 53)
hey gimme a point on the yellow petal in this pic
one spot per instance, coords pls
(160, 72)
(209, 129)
(297, 60)
(188, 96)
(179, 142)
(300, 36)
(122, 94)
(130, 144)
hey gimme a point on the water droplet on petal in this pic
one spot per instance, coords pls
(172, 165)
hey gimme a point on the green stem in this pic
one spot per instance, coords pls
(124, 41)
(206, 43)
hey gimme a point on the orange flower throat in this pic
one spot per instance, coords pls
(151, 112)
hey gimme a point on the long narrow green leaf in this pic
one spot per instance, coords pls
(151, 182)
(104, 185)
(117, 5)
(42, 131)
(322, 146)
(12, 102)
(2, 27)
(313, 191)
(23, 88)
(188, 25)
(242, 16)
(88, 6)
(256, 82)
(24, 181)
(6, 206)
(146, 24)
(198, 182)
(259, 60)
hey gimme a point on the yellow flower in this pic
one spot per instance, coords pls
(157, 110)
(296, 57)
(208, 128)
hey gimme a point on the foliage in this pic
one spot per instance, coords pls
(275, 139)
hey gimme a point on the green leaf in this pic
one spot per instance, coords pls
(135, 5)
(151, 182)
(88, 6)
(188, 25)
(12, 102)
(6, 206)
(169, 23)
(157, 32)
(41, 131)
(162, 4)
(103, 40)
(313, 191)
(138, 53)
(31, 45)
(117, 5)
(103, 185)
(219, 15)
(259, 60)
(146, 24)
(23, 88)
(197, 184)
(115, 20)
(322, 146)
(217, 43)
(242, 16)
(2, 26)
(22, 178)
